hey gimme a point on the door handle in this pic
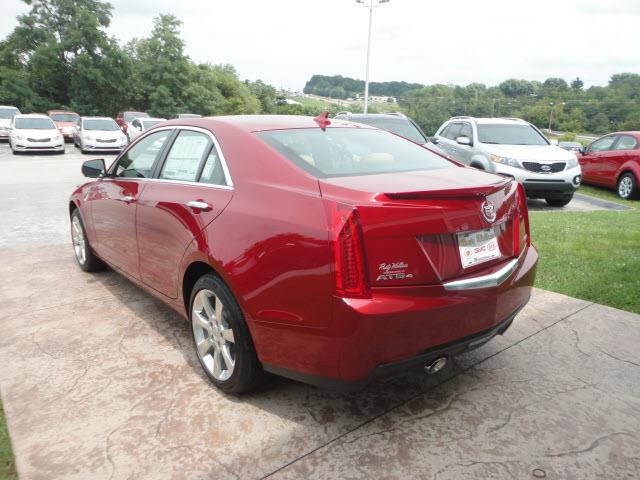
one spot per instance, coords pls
(199, 206)
(127, 199)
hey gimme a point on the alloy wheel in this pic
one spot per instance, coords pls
(215, 342)
(624, 187)
(79, 242)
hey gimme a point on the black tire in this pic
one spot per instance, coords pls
(631, 193)
(247, 371)
(91, 262)
(560, 201)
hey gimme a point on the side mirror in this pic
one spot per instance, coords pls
(464, 141)
(94, 168)
(434, 140)
(583, 150)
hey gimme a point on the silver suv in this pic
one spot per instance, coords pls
(513, 148)
(397, 123)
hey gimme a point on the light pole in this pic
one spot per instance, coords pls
(371, 4)
(551, 113)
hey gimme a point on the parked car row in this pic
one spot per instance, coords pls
(517, 149)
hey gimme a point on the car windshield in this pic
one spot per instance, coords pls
(105, 125)
(401, 127)
(338, 152)
(64, 117)
(129, 116)
(150, 123)
(34, 123)
(8, 113)
(505, 134)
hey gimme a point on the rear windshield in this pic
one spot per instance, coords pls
(105, 125)
(64, 117)
(129, 116)
(504, 134)
(8, 113)
(338, 152)
(401, 127)
(34, 123)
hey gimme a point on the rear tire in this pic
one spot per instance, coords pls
(221, 338)
(628, 187)
(559, 201)
(87, 260)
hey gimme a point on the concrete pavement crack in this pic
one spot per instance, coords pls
(591, 447)
(413, 397)
(619, 359)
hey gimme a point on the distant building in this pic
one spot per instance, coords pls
(378, 98)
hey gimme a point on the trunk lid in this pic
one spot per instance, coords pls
(412, 221)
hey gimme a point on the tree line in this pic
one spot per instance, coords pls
(554, 102)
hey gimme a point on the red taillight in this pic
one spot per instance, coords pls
(348, 251)
(523, 213)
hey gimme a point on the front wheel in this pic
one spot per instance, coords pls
(85, 257)
(628, 186)
(559, 201)
(221, 338)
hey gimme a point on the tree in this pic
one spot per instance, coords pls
(577, 84)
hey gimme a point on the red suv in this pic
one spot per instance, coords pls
(613, 161)
(327, 252)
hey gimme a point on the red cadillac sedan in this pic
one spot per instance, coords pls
(324, 251)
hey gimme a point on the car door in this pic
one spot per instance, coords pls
(596, 154)
(191, 189)
(445, 141)
(113, 202)
(463, 153)
(623, 150)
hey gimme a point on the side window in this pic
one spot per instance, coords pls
(212, 172)
(444, 131)
(453, 131)
(602, 144)
(626, 142)
(185, 156)
(466, 131)
(136, 124)
(138, 161)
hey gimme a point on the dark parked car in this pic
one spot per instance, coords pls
(575, 147)
(319, 250)
(397, 123)
(613, 161)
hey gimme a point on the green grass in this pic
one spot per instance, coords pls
(591, 255)
(7, 464)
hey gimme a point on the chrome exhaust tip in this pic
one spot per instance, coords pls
(436, 365)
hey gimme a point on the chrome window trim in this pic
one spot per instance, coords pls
(484, 281)
(214, 140)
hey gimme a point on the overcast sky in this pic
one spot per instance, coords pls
(284, 42)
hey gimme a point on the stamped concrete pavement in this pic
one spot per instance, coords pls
(99, 380)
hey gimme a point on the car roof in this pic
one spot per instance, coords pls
(494, 121)
(97, 118)
(9, 106)
(32, 115)
(146, 119)
(49, 112)
(258, 123)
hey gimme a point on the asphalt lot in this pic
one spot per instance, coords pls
(98, 380)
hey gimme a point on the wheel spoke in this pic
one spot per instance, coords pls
(226, 355)
(219, 308)
(206, 302)
(202, 322)
(204, 347)
(217, 363)
(227, 334)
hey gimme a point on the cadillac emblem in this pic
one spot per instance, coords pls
(488, 211)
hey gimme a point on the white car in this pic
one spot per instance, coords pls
(6, 115)
(99, 134)
(513, 148)
(139, 125)
(35, 133)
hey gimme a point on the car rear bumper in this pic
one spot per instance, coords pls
(401, 328)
